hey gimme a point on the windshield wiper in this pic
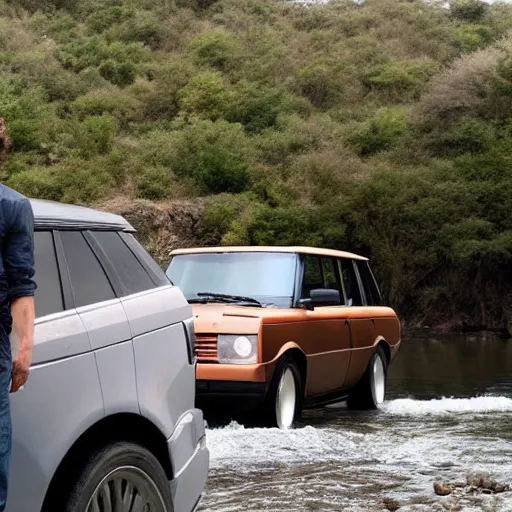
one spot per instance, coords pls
(203, 297)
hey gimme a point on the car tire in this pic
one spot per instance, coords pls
(284, 398)
(371, 389)
(121, 473)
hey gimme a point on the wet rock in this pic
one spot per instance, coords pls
(443, 488)
(482, 482)
(452, 505)
(390, 504)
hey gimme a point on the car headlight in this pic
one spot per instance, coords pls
(237, 349)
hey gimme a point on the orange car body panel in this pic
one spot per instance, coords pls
(337, 341)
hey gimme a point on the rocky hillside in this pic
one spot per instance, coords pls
(383, 128)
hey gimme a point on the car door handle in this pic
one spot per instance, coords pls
(346, 322)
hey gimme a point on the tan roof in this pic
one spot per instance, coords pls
(255, 248)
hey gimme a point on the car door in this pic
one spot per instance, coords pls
(325, 331)
(155, 311)
(62, 396)
(362, 324)
(105, 320)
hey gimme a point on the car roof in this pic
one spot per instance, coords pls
(51, 214)
(290, 249)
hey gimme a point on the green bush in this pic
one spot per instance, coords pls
(257, 107)
(400, 81)
(116, 61)
(214, 155)
(112, 101)
(217, 49)
(472, 37)
(379, 133)
(207, 95)
(95, 135)
(154, 183)
(469, 10)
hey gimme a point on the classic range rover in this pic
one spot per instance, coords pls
(283, 328)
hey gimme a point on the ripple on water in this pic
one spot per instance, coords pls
(445, 406)
(348, 461)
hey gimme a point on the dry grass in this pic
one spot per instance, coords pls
(463, 87)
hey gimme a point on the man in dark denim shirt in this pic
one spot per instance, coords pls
(17, 311)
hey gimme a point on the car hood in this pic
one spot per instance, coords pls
(226, 319)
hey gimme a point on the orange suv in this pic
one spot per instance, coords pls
(283, 328)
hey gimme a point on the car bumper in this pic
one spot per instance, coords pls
(223, 395)
(190, 460)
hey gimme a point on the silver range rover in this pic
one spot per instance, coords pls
(106, 422)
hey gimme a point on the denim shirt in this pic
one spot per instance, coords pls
(16, 256)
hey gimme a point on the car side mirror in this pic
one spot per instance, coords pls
(321, 297)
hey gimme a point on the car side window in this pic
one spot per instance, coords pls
(350, 282)
(48, 295)
(128, 268)
(331, 279)
(371, 290)
(312, 275)
(88, 279)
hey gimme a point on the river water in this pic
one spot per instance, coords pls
(448, 412)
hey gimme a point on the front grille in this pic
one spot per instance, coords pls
(206, 348)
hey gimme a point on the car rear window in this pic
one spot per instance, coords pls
(371, 290)
(88, 279)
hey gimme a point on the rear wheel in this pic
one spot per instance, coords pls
(284, 400)
(371, 389)
(122, 477)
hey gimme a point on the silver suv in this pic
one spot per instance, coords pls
(106, 422)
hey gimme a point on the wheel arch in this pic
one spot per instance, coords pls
(117, 427)
(386, 348)
(293, 350)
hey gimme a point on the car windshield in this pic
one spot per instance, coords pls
(267, 277)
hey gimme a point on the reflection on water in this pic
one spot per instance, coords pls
(448, 413)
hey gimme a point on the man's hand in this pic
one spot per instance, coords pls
(23, 314)
(21, 370)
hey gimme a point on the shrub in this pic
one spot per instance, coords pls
(207, 95)
(322, 83)
(400, 81)
(217, 49)
(141, 26)
(296, 225)
(462, 89)
(473, 37)
(468, 10)
(256, 106)
(103, 18)
(467, 135)
(154, 183)
(95, 135)
(379, 133)
(113, 101)
(116, 61)
(214, 155)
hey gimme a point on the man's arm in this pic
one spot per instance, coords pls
(18, 259)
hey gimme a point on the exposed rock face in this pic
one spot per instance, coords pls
(162, 227)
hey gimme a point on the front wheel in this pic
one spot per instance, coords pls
(371, 389)
(284, 400)
(122, 477)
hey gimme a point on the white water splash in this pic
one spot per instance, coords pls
(442, 406)
(360, 439)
